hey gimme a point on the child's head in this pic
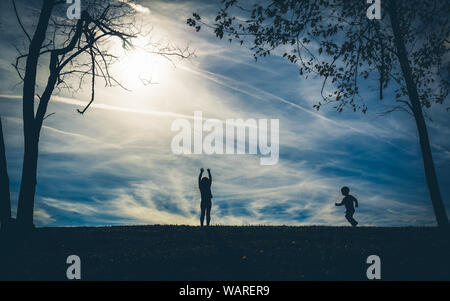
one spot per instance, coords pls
(204, 182)
(345, 190)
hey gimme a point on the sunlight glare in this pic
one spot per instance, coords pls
(139, 67)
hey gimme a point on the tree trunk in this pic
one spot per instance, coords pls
(430, 172)
(31, 133)
(25, 206)
(5, 199)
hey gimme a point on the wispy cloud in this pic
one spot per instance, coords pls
(137, 7)
(113, 165)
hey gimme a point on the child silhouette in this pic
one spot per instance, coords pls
(347, 201)
(204, 184)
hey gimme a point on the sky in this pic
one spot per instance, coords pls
(114, 164)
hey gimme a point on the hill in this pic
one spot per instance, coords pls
(227, 253)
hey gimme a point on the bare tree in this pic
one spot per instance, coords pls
(335, 40)
(75, 50)
(5, 199)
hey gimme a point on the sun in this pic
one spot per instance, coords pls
(142, 66)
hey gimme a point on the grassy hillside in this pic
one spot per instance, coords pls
(227, 253)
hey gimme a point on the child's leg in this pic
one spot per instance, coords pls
(208, 215)
(202, 214)
(349, 217)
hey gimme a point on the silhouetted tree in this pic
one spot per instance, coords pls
(335, 40)
(74, 50)
(5, 199)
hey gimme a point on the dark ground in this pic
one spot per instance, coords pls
(227, 253)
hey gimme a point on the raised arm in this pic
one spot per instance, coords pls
(200, 176)
(210, 177)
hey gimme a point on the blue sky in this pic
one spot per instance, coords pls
(114, 165)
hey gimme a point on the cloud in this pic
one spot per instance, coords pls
(42, 217)
(113, 165)
(137, 7)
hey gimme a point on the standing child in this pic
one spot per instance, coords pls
(347, 201)
(204, 184)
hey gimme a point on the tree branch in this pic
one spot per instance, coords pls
(20, 22)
